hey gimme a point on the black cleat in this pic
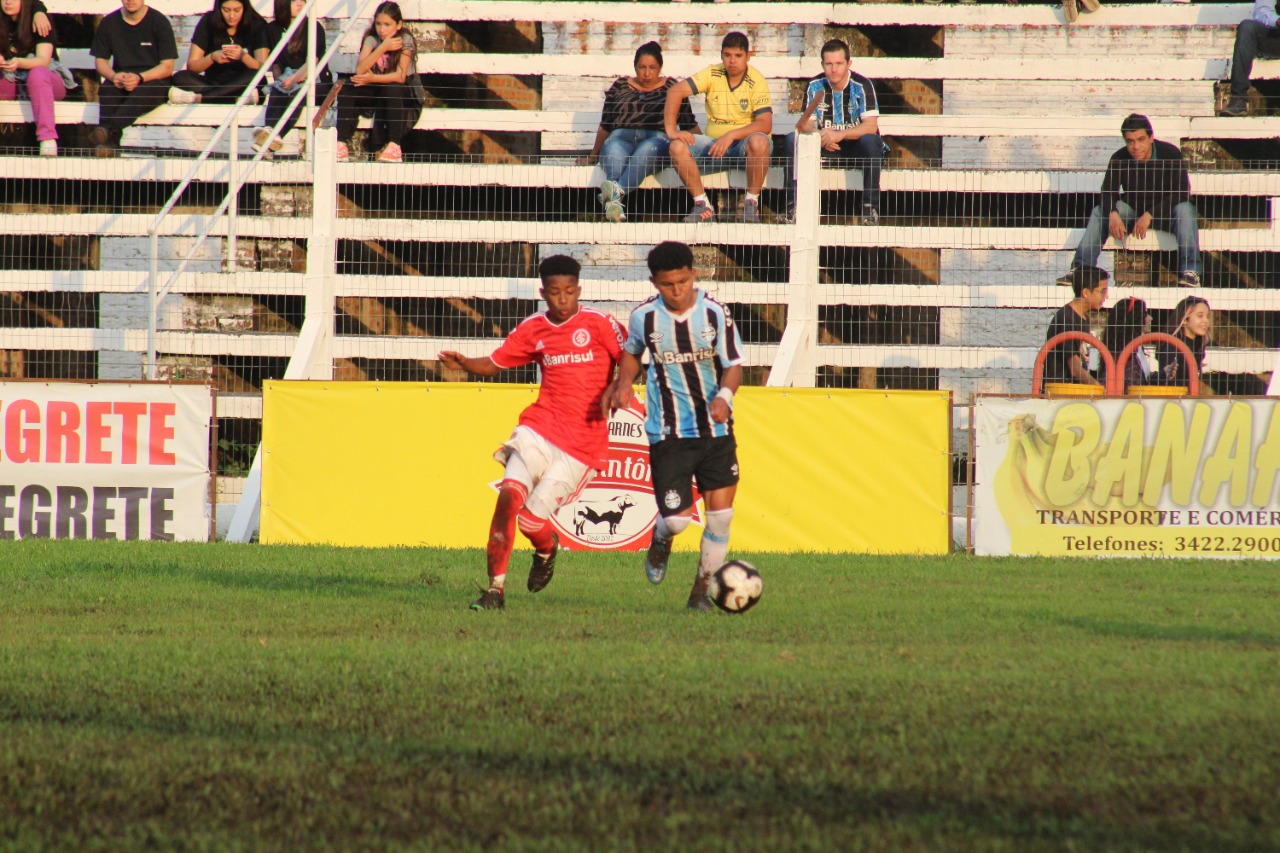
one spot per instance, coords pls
(543, 567)
(491, 600)
(655, 561)
(698, 601)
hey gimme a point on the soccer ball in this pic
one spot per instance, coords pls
(736, 586)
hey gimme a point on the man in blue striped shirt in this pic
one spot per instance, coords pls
(847, 118)
(695, 357)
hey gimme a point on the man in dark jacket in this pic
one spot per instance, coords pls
(1145, 184)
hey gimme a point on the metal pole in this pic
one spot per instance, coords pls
(233, 193)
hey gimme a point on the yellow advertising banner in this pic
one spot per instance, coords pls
(1127, 477)
(374, 464)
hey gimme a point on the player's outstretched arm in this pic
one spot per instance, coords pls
(620, 392)
(476, 366)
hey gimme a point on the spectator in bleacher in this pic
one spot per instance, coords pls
(134, 50)
(1069, 361)
(739, 121)
(630, 142)
(1257, 35)
(1191, 322)
(385, 87)
(228, 47)
(290, 72)
(847, 118)
(1126, 320)
(30, 66)
(1146, 184)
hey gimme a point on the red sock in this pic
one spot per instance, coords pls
(502, 530)
(539, 531)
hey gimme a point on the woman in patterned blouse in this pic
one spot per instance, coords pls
(631, 143)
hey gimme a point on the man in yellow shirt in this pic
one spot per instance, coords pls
(739, 121)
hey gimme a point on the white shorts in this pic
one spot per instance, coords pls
(551, 476)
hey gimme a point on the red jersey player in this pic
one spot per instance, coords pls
(562, 440)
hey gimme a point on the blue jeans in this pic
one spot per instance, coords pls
(865, 153)
(628, 156)
(1182, 224)
(734, 158)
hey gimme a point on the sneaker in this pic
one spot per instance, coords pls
(614, 212)
(49, 148)
(1066, 280)
(253, 98)
(655, 562)
(1237, 107)
(543, 567)
(99, 136)
(260, 141)
(870, 216)
(609, 191)
(702, 212)
(391, 154)
(182, 96)
(1070, 11)
(1090, 5)
(751, 210)
(1190, 278)
(491, 600)
(698, 601)
(344, 153)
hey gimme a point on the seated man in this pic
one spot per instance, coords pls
(1069, 361)
(1255, 35)
(134, 51)
(847, 117)
(739, 121)
(1146, 182)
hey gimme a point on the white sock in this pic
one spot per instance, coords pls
(701, 198)
(715, 540)
(753, 197)
(668, 527)
(498, 583)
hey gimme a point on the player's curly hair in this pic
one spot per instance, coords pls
(558, 265)
(670, 255)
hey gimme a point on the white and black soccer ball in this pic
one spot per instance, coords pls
(736, 586)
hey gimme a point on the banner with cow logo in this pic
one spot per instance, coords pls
(1127, 477)
(377, 464)
(105, 460)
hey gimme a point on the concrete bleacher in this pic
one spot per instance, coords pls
(1026, 106)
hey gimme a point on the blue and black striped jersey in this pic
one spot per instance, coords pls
(688, 354)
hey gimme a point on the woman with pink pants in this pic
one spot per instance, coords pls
(26, 61)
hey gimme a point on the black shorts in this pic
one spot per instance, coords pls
(677, 462)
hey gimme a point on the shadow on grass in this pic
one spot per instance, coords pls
(676, 795)
(1163, 633)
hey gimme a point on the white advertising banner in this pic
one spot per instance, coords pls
(1127, 477)
(110, 460)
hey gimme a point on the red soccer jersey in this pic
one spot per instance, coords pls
(577, 360)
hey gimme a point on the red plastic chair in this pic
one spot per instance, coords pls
(1193, 372)
(1037, 375)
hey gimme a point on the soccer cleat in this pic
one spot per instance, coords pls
(698, 601)
(391, 154)
(870, 216)
(182, 96)
(614, 212)
(491, 600)
(1237, 107)
(751, 210)
(48, 148)
(343, 153)
(702, 212)
(1070, 11)
(655, 561)
(543, 568)
(1190, 278)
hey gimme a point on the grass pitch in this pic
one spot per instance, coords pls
(222, 696)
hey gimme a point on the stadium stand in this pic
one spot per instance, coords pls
(1000, 120)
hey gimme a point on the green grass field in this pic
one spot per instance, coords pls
(223, 696)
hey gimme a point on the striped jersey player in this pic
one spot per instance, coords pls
(562, 439)
(695, 357)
